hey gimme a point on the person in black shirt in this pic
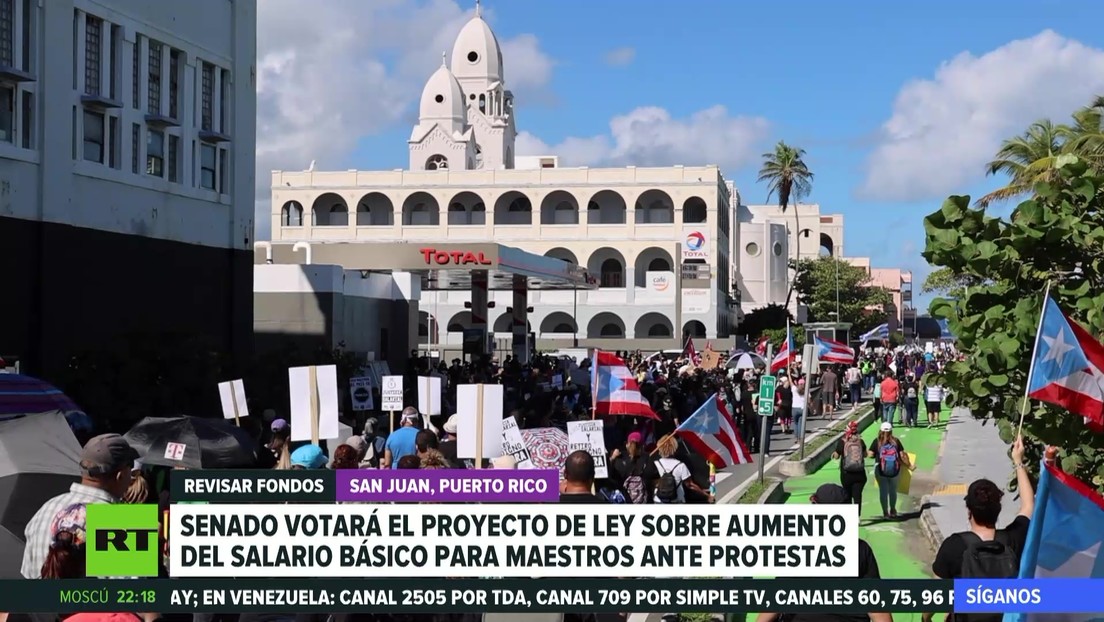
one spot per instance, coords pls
(834, 494)
(579, 479)
(983, 506)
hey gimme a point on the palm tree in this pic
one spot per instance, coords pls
(788, 176)
(1086, 136)
(1027, 160)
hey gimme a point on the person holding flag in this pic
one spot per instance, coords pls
(711, 432)
(615, 390)
(785, 354)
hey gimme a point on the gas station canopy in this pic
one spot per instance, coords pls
(447, 266)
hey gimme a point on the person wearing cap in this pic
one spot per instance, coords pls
(308, 457)
(280, 444)
(402, 442)
(106, 464)
(629, 468)
(889, 458)
(447, 446)
(834, 494)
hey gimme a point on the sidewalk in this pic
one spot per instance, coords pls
(972, 450)
(895, 542)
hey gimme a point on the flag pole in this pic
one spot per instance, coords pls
(1031, 368)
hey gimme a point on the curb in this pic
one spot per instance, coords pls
(774, 493)
(813, 462)
(928, 525)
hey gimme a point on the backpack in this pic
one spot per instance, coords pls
(853, 460)
(889, 460)
(667, 487)
(994, 559)
(372, 456)
(634, 485)
(911, 393)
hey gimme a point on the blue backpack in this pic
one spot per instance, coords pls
(889, 460)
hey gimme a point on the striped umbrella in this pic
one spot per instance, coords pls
(23, 395)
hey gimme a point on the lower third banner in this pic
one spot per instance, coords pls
(431, 595)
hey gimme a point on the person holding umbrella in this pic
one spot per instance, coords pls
(106, 464)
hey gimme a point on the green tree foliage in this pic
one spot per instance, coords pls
(945, 282)
(778, 335)
(859, 298)
(769, 317)
(1056, 237)
(790, 180)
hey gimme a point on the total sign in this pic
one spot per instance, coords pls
(694, 247)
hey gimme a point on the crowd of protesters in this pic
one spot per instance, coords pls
(647, 463)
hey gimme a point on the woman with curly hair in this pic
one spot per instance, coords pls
(345, 457)
(433, 459)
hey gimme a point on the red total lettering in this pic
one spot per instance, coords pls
(432, 255)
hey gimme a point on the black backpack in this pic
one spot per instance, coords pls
(666, 487)
(992, 559)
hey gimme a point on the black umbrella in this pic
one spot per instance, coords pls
(192, 442)
(39, 459)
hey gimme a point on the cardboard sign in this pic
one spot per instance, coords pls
(429, 395)
(391, 393)
(513, 443)
(175, 451)
(467, 406)
(587, 436)
(360, 389)
(232, 395)
(710, 360)
(308, 402)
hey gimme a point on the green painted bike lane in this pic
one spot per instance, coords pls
(889, 538)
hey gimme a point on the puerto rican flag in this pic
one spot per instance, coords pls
(711, 432)
(1066, 367)
(785, 353)
(615, 389)
(1064, 538)
(761, 347)
(690, 352)
(829, 351)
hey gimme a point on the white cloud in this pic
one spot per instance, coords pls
(944, 130)
(649, 136)
(620, 57)
(332, 73)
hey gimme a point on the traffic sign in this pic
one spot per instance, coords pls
(766, 396)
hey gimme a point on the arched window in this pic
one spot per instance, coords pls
(292, 214)
(437, 162)
(613, 275)
(339, 215)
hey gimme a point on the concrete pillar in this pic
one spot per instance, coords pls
(521, 319)
(479, 304)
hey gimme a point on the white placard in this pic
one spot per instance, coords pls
(175, 451)
(587, 435)
(514, 444)
(557, 381)
(467, 400)
(300, 390)
(429, 395)
(360, 390)
(391, 393)
(228, 393)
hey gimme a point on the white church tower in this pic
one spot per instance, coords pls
(479, 121)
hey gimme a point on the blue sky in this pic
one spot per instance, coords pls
(827, 76)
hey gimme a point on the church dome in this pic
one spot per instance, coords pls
(476, 53)
(442, 98)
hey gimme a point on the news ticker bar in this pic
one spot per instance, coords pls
(367, 486)
(167, 596)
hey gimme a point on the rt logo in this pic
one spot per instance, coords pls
(124, 540)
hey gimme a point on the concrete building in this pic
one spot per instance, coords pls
(658, 240)
(900, 312)
(765, 273)
(127, 138)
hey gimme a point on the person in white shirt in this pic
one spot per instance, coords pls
(933, 398)
(667, 491)
(854, 383)
(798, 408)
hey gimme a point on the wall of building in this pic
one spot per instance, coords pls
(105, 248)
(311, 307)
(764, 272)
(642, 218)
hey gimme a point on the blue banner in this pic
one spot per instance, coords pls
(1030, 596)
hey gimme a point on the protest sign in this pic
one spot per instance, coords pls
(429, 395)
(313, 403)
(479, 429)
(360, 389)
(587, 436)
(232, 396)
(391, 393)
(514, 444)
